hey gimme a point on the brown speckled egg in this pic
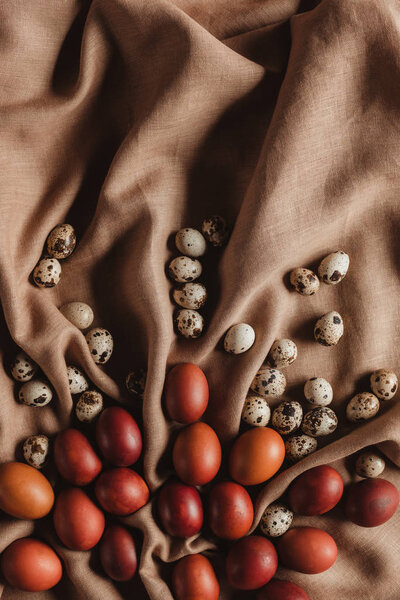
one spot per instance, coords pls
(35, 393)
(183, 269)
(304, 281)
(36, 449)
(47, 273)
(215, 230)
(23, 368)
(239, 338)
(189, 323)
(384, 384)
(276, 520)
(190, 295)
(89, 405)
(318, 391)
(370, 464)
(78, 313)
(282, 353)
(190, 242)
(269, 383)
(319, 421)
(333, 268)
(362, 407)
(61, 241)
(101, 344)
(299, 446)
(256, 411)
(136, 382)
(329, 329)
(287, 417)
(76, 380)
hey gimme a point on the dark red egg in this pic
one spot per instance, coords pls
(371, 502)
(186, 393)
(118, 553)
(121, 491)
(277, 589)
(230, 510)
(316, 491)
(307, 550)
(251, 563)
(75, 459)
(180, 509)
(193, 578)
(118, 437)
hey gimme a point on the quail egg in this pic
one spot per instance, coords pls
(89, 405)
(136, 383)
(269, 383)
(101, 344)
(318, 391)
(23, 368)
(304, 281)
(190, 242)
(276, 519)
(329, 329)
(189, 323)
(282, 354)
(78, 313)
(61, 241)
(287, 417)
(239, 338)
(47, 273)
(384, 384)
(333, 268)
(369, 464)
(35, 393)
(299, 446)
(362, 407)
(256, 411)
(76, 380)
(319, 421)
(183, 269)
(215, 230)
(35, 449)
(190, 295)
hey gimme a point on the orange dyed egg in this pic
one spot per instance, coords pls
(256, 456)
(25, 493)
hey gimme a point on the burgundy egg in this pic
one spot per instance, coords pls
(118, 553)
(180, 509)
(277, 589)
(75, 459)
(251, 563)
(316, 491)
(371, 502)
(118, 437)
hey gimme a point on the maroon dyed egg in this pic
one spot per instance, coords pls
(180, 509)
(251, 563)
(316, 491)
(118, 437)
(118, 553)
(371, 502)
(230, 510)
(75, 459)
(277, 589)
(121, 491)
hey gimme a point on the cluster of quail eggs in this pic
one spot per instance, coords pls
(366, 405)
(60, 244)
(189, 294)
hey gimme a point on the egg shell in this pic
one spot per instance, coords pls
(190, 295)
(180, 509)
(78, 522)
(101, 344)
(197, 454)
(23, 368)
(315, 491)
(329, 329)
(194, 578)
(362, 407)
(239, 338)
(304, 281)
(121, 491)
(251, 562)
(256, 456)
(184, 269)
(76, 380)
(283, 353)
(36, 449)
(35, 393)
(190, 242)
(333, 268)
(186, 393)
(256, 411)
(319, 421)
(215, 230)
(299, 446)
(25, 493)
(384, 384)
(118, 553)
(318, 391)
(307, 550)
(277, 589)
(47, 273)
(136, 382)
(269, 383)
(371, 502)
(61, 241)
(31, 565)
(89, 406)
(276, 519)
(370, 464)
(230, 510)
(287, 417)
(118, 437)
(189, 323)
(75, 458)
(78, 313)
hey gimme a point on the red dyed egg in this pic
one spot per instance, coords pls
(197, 454)
(118, 553)
(251, 563)
(316, 491)
(194, 578)
(118, 437)
(277, 589)
(30, 565)
(121, 491)
(78, 522)
(371, 502)
(180, 509)
(307, 550)
(230, 510)
(186, 393)
(75, 458)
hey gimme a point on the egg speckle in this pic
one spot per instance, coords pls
(276, 520)
(369, 464)
(269, 383)
(256, 411)
(215, 230)
(183, 269)
(304, 281)
(319, 421)
(287, 417)
(89, 405)
(47, 273)
(61, 241)
(384, 384)
(282, 354)
(362, 407)
(190, 295)
(23, 368)
(190, 242)
(35, 393)
(333, 268)
(76, 380)
(136, 382)
(299, 446)
(78, 313)
(35, 449)
(318, 391)
(329, 329)
(189, 323)
(101, 344)
(239, 338)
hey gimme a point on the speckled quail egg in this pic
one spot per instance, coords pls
(287, 417)
(329, 329)
(23, 368)
(269, 383)
(384, 384)
(319, 421)
(239, 338)
(333, 268)
(35, 393)
(101, 344)
(78, 313)
(136, 382)
(299, 446)
(215, 230)
(36, 449)
(183, 269)
(190, 295)
(89, 405)
(190, 242)
(304, 281)
(76, 380)
(47, 273)
(362, 407)
(369, 464)
(318, 391)
(282, 353)
(276, 519)
(61, 241)
(189, 323)
(256, 411)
